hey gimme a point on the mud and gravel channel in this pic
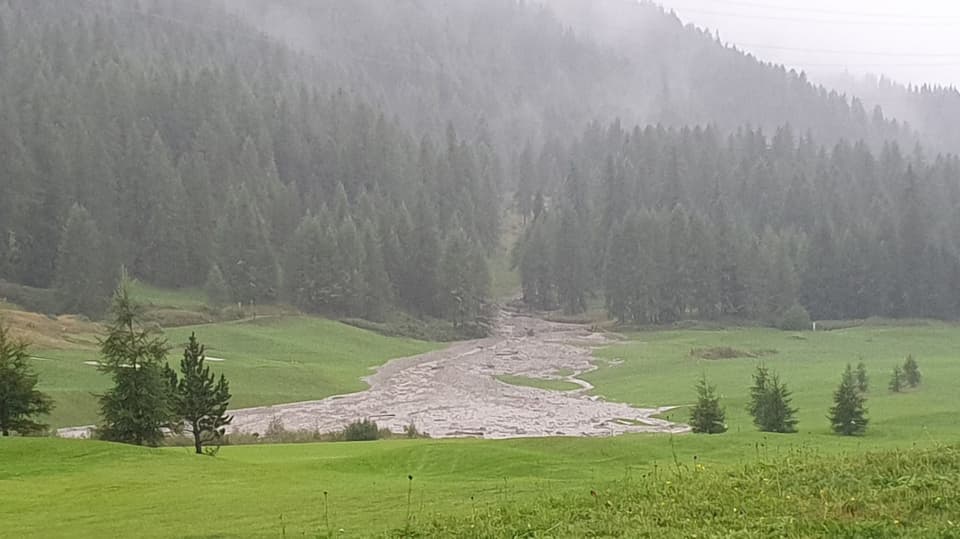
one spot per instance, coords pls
(454, 392)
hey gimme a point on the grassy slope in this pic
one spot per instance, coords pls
(499, 487)
(659, 370)
(57, 488)
(268, 361)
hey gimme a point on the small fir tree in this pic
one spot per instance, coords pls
(911, 372)
(848, 415)
(896, 380)
(200, 400)
(770, 403)
(758, 395)
(780, 416)
(20, 401)
(138, 407)
(863, 381)
(707, 416)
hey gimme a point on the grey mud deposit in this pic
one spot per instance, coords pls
(454, 392)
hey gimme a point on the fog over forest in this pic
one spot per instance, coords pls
(566, 268)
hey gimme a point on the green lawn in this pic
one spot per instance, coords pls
(181, 298)
(268, 361)
(540, 383)
(657, 369)
(810, 484)
(60, 488)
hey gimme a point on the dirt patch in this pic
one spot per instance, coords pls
(455, 393)
(726, 352)
(51, 332)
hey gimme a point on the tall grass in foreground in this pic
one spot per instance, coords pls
(913, 493)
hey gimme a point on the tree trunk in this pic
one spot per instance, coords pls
(196, 439)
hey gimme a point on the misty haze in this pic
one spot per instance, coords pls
(479, 268)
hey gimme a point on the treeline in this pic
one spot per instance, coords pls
(212, 158)
(672, 224)
(930, 109)
(538, 70)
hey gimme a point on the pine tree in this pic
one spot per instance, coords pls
(770, 403)
(707, 416)
(896, 380)
(20, 401)
(200, 400)
(863, 381)
(82, 279)
(848, 415)
(138, 406)
(780, 416)
(216, 287)
(378, 292)
(911, 372)
(758, 395)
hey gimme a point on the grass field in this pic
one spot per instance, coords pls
(268, 361)
(657, 369)
(628, 486)
(553, 385)
(900, 480)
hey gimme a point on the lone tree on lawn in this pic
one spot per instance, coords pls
(199, 399)
(848, 415)
(139, 405)
(770, 403)
(896, 380)
(863, 381)
(707, 416)
(911, 372)
(19, 399)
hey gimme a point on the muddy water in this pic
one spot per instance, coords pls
(454, 392)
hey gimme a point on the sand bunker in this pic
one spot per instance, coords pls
(454, 393)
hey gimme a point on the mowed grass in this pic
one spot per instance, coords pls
(658, 369)
(180, 298)
(631, 486)
(539, 383)
(742, 483)
(267, 361)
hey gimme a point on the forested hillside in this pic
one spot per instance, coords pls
(931, 109)
(541, 70)
(198, 153)
(353, 158)
(674, 224)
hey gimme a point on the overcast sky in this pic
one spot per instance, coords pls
(909, 40)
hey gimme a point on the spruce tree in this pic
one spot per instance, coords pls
(911, 372)
(896, 380)
(216, 287)
(200, 400)
(848, 415)
(770, 403)
(20, 401)
(863, 381)
(780, 416)
(758, 396)
(707, 416)
(139, 405)
(82, 280)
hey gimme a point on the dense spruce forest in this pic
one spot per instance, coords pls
(930, 108)
(674, 224)
(200, 158)
(354, 159)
